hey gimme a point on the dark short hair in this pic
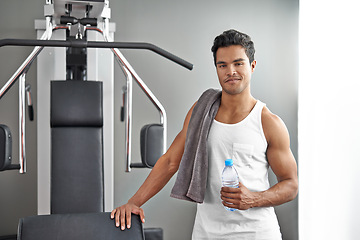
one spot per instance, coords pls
(233, 37)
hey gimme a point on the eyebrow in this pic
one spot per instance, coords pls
(236, 60)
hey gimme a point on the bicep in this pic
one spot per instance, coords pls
(282, 162)
(279, 154)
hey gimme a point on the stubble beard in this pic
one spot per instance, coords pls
(235, 90)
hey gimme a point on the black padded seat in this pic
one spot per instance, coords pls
(89, 226)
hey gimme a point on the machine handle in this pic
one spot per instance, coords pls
(122, 109)
(94, 44)
(137, 165)
(31, 113)
(13, 167)
(29, 102)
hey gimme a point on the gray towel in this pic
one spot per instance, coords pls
(192, 176)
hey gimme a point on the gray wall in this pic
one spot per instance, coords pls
(185, 28)
(17, 191)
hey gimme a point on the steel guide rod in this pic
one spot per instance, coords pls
(22, 152)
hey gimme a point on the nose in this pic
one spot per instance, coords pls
(231, 70)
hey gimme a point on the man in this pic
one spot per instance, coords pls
(241, 128)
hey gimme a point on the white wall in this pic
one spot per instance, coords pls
(17, 191)
(329, 120)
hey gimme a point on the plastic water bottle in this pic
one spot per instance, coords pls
(230, 178)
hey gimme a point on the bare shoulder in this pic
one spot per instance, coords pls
(182, 133)
(273, 126)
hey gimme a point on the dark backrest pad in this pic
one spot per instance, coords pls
(89, 226)
(76, 103)
(76, 147)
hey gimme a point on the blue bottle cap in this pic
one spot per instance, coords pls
(229, 162)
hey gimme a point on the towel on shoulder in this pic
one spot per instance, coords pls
(191, 179)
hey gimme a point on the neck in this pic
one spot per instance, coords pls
(242, 102)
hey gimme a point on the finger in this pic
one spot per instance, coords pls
(128, 219)
(228, 199)
(117, 216)
(226, 191)
(139, 211)
(142, 215)
(113, 213)
(225, 203)
(228, 204)
(229, 189)
(122, 219)
(225, 195)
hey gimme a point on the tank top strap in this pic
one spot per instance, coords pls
(259, 106)
(255, 114)
(256, 118)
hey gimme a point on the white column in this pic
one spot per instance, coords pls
(51, 65)
(101, 68)
(329, 120)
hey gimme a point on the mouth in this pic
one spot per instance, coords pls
(232, 79)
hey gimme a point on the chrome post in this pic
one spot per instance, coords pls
(128, 90)
(128, 116)
(22, 152)
(128, 97)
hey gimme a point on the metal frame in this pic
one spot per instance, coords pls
(130, 73)
(20, 74)
(127, 69)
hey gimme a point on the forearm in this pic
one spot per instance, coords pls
(282, 192)
(157, 179)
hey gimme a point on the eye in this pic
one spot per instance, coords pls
(239, 64)
(221, 65)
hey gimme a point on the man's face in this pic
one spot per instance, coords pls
(233, 69)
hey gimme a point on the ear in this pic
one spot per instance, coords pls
(253, 64)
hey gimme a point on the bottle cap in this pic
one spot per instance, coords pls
(228, 162)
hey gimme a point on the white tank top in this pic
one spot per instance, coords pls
(246, 144)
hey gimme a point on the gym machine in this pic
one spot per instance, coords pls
(76, 106)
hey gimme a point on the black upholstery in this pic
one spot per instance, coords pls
(76, 147)
(5, 147)
(77, 192)
(76, 170)
(76, 103)
(89, 226)
(152, 144)
(8, 237)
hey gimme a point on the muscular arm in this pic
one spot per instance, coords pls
(281, 161)
(166, 166)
